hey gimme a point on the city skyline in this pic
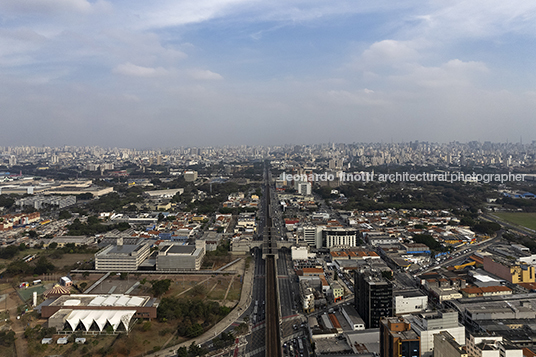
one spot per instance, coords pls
(207, 73)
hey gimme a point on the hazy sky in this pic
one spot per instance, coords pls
(168, 73)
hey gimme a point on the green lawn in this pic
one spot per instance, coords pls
(525, 219)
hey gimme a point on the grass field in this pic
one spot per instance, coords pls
(525, 219)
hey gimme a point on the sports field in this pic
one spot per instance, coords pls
(525, 219)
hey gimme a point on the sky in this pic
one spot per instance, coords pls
(171, 73)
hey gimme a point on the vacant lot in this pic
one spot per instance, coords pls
(525, 219)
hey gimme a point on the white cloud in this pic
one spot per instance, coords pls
(475, 19)
(390, 52)
(204, 74)
(52, 6)
(129, 69)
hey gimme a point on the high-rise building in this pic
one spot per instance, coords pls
(312, 235)
(373, 297)
(397, 339)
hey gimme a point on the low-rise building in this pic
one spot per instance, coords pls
(117, 258)
(354, 320)
(94, 313)
(445, 345)
(180, 257)
(337, 291)
(410, 301)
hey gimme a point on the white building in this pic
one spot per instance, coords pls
(304, 188)
(116, 258)
(409, 302)
(299, 253)
(312, 235)
(339, 237)
(190, 176)
(491, 346)
(428, 324)
(307, 296)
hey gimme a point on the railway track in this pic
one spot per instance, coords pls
(273, 332)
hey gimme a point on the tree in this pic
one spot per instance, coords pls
(160, 287)
(182, 352)
(7, 338)
(65, 215)
(43, 266)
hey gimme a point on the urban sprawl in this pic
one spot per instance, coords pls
(365, 249)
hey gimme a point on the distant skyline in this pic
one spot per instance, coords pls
(203, 73)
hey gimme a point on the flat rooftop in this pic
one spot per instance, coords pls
(100, 300)
(180, 249)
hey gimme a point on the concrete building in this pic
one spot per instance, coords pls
(516, 309)
(164, 193)
(380, 238)
(312, 235)
(428, 324)
(337, 291)
(445, 345)
(339, 237)
(397, 339)
(299, 253)
(410, 301)
(307, 296)
(485, 345)
(354, 320)
(61, 241)
(180, 257)
(39, 202)
(303, 188)
(116, 258)
(190, 176)
(510, 271)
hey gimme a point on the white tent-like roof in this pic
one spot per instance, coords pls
(76, 316)
(100, 317)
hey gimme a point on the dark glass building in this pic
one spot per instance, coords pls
(373, 297)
